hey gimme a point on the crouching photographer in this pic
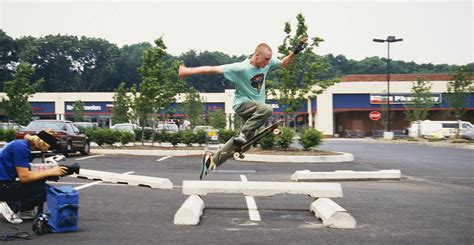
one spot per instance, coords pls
(23, 196)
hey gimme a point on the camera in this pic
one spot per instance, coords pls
(72, 169)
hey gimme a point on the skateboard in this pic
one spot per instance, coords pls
(272, 129)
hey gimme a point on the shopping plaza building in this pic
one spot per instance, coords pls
(341, 108)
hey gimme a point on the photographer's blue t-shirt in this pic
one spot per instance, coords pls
(14, 154)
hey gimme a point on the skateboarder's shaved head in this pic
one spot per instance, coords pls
(262, 56)
(263, 47)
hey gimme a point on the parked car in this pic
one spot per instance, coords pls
(444, 133)
(72, 139)
(5, 126)
(467, 134)
(204, 128)
(168, 128)
(86, 124)
(125, 126)
(427, 127)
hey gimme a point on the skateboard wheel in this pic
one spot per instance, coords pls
(276, 131)
(236, 155)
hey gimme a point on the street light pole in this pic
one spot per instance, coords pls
(390, 39)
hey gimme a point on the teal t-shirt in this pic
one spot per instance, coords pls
(249, 81)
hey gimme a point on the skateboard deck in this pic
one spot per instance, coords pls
(272, 129)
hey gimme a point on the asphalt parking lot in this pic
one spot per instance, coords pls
(431, 204)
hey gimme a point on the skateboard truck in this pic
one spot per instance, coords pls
(239, 152)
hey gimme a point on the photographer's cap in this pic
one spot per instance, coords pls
(49, 136)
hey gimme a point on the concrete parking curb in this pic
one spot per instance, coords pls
(306, 175)
(342, 157)
(190, 212)
(332, 215)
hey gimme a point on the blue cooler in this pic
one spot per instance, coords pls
(62, 204)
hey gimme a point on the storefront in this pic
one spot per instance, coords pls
(351, 112)
(97, 111)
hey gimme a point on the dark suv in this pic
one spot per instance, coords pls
(72, 139)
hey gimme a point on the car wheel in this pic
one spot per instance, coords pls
(68, 149)
(87, 147)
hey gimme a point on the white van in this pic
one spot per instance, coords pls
(427, 127)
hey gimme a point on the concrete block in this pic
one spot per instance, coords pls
(153, 182)
(307, 175)
(190, 212)
(258, 188)
(387, 135)
(332, 215)
(342, 157)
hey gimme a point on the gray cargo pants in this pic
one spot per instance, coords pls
(253, 115)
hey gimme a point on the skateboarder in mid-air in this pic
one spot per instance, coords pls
(248, 77)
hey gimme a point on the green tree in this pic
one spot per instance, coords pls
(16, 107)
(54, 57)
(160, 83)
(459, 92)
(418, 110)
(129, 60)
(217, 119)
(96, 63)
(300, 79)
(193, 107)
(8, 55)
(209, 83)
(121, 104)
(78, 111)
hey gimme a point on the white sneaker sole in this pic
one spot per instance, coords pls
(8, 214)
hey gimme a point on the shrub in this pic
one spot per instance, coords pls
(175, 138)
(125, 137)
(285, 139)
(267, 142)
(310, 138)
(201, 137)
(226, 134)
(148, 132)
(105, 136)
(188, 137)
(7, 134)
(161, 136)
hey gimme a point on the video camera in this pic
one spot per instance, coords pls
(72, 168)
(51, 162)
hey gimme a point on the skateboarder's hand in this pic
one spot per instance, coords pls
(301, 45)
(182, 72)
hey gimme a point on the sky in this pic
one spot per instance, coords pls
(437, 32)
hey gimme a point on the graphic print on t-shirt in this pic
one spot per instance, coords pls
(257, 81)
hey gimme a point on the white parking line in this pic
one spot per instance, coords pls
(163, 158)
(252, 206)
(234, 171)
(96, 182)
(84, 158)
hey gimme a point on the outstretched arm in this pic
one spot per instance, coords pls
(184, 71)
(300, 47)
(27, 176)
(287, 60)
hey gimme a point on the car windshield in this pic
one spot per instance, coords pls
(6, 126)
(129, 127)
(85, 124)
(39, 125)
